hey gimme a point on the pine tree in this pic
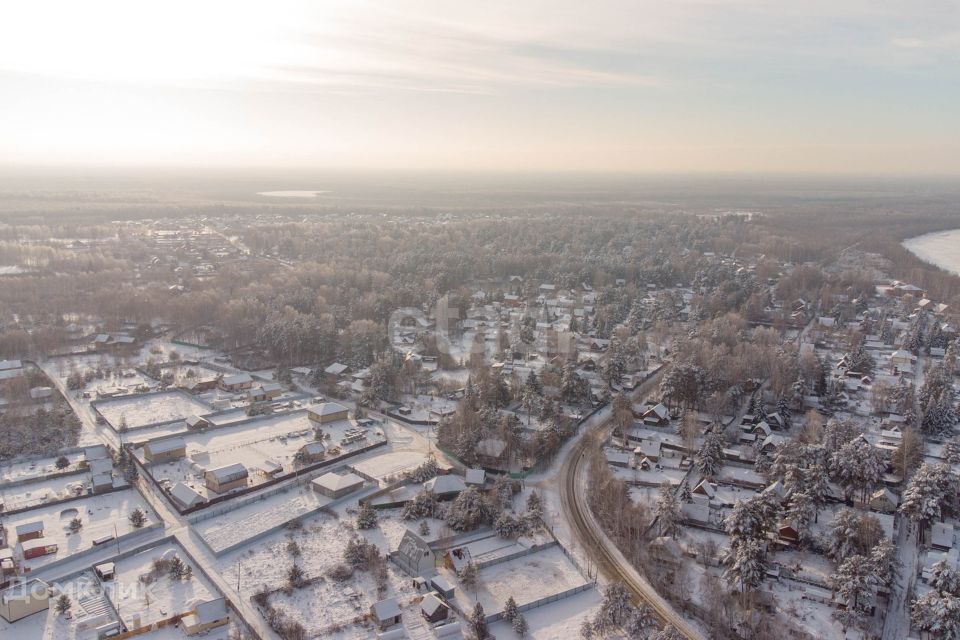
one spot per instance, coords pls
(937, 613)
(749, 565)
(615, 609)
(668, 511)
(510, 610)
(852, 581)
(63, 604)
(138, 518)
(478, 623)
(366, 516)
(520, 626)
(925, 496)
(710, 457)
(884, 563)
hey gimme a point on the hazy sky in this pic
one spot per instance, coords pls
(693, 85)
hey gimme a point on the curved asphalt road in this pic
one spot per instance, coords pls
(602, 550)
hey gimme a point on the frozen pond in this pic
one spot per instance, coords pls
(941, 248)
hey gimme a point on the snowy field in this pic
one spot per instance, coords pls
(527, 579)
(941, 249)
(160, 596)
(276, 438)
(43, 491)
(321, 542)
(35, 469)
(224, 531)
(102, 516)
(559, 620)
(390, 464)
(139, 411)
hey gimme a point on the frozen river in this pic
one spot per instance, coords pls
(941, 248)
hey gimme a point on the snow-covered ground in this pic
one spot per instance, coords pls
(102, 516)
(390, 464)
(937, 248)
(154, 408)
(560, 620)
(143, 596)
(43, 491)
(224, 531)
(529, 578)
(276, 438)
(321, 542)
(34, 469)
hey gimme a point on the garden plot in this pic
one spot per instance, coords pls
(391, 464)
(224, 531)
(155, 408)
(144, 596)
(90, 609)
(276, 438)
(35, 469)
(102, 516)
(35, 494)
(320, 543)
(556, 621)
(527, 579)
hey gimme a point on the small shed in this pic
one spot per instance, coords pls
(433, 609)
(29, 530)
(185, 496)
(336, 486)
(442, 586)
(106, 571)
(386, 613)
(476, 477)
(207, 615)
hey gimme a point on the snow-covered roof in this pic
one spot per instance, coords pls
(314, 448)
(491, 447)
(165, 446)
(445, 484)
(431, 604)
(30, 527)
(336, 369)
(476, 476)
(237, 378)
(211, 611)
(333, 482)
(327, 409)
(386, 609)
(6, 365)
(185, 495)
(228, 473)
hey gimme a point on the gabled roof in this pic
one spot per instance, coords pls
(336, 369)
(445, 484)
(165, 446)
(386, 609)
(237, 378)
(229, 473)
(431, 604)
(314, 448)
(185, 495)
(211, 611)
(30, 527)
